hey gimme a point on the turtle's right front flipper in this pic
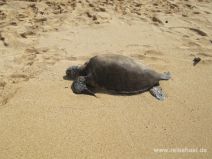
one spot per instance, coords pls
(79, 86)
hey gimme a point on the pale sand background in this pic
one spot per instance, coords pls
(40, 117)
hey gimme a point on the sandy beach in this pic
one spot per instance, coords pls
(40, 116)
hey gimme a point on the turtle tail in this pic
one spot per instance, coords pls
(165, 76)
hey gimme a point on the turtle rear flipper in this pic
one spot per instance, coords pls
(165, 76)
(157, 93)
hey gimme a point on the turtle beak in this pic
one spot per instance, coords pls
(68, 73)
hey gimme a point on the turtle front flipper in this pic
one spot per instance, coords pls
(79, 86)
(157, 92)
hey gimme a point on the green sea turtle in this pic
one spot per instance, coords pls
(115, 74)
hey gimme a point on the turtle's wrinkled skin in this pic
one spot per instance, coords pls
(116, 74)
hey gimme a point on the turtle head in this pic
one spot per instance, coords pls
(73, 72)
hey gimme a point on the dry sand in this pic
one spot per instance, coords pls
(40, 117)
